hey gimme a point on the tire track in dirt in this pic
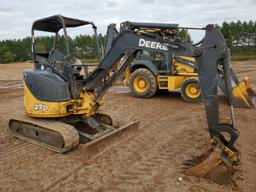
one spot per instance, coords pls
(26, 155)
(49, 170)
(7, 147)
(147, 169)
(244, 71)
(11, 84)
(13, 151)
(140, 169)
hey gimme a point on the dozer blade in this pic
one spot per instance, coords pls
(243, 94)
(97, 147)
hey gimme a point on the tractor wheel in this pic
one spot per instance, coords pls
(190, 91)
(143, 83)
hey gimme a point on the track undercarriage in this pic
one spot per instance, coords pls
(63, 134)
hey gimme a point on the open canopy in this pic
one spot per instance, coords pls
(56, 22)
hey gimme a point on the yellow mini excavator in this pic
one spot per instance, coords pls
(60, 110)
(63, 107)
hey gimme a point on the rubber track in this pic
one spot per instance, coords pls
(68, 132)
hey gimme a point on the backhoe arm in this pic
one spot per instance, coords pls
(211, 53)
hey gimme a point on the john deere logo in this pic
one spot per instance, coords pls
(152, 44)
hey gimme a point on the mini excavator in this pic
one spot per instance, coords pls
(62, 107)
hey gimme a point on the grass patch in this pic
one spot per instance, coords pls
(90, 61)
(242, 57)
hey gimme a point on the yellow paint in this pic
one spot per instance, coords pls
(175, 82)
(127, 75)
(182, 68)
(240, 90)
(171, 82)
(140, 84)
(192, 90)
(85, 105)
(188, 74)
(192, 59)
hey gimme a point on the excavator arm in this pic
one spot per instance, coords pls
(211, 53)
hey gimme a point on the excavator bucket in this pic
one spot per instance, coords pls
(212, 167)
(97, 147)
(217, 164)
(243, 94)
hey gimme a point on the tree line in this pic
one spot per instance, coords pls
(240, 37)
(18, 50)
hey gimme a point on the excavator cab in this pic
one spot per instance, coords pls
(60, 53)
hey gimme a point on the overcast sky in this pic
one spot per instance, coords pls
(16, 16)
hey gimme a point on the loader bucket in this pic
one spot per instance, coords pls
(243, 94)
(101, 145)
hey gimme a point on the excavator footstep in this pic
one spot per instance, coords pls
(211, 167)
(97, 147)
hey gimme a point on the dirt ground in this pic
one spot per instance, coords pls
(171, 132)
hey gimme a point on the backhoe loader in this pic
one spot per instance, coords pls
(62, 106)
(182, 77)
(152, 71)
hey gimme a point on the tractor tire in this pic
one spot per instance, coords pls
(190, 90)
(143, 83)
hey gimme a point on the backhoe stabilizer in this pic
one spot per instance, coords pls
(101, 145)
(217, 163)
(244, 96)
